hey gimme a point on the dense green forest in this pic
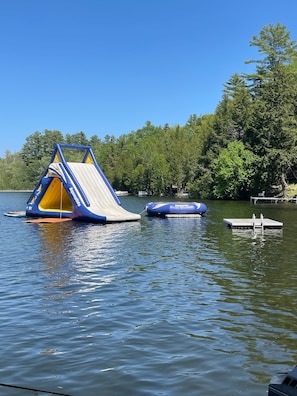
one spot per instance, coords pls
(248, 145)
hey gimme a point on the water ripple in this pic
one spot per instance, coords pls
(156, 307)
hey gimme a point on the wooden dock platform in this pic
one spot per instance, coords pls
(253, 223)
(275, 200)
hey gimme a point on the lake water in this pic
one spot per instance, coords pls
(156, 307)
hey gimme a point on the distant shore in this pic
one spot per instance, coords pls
(16, 191)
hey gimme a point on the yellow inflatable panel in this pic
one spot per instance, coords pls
(56, 198)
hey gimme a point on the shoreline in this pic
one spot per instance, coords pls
(16, 191)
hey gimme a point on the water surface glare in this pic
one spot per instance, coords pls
(156, 307)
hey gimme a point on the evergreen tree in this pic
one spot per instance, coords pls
(272, 134)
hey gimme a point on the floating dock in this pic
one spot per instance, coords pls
(182, 215)
(253, 223)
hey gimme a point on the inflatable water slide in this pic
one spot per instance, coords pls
(76, 189)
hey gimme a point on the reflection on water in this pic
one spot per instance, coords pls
(160, 306)
(79, 257)
(257, 235)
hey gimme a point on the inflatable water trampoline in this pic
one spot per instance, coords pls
(176, 209)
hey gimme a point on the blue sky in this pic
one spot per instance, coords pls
(105, 67)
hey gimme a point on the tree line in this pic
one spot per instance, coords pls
(248, 145)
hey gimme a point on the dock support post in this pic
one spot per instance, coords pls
(262, 221)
